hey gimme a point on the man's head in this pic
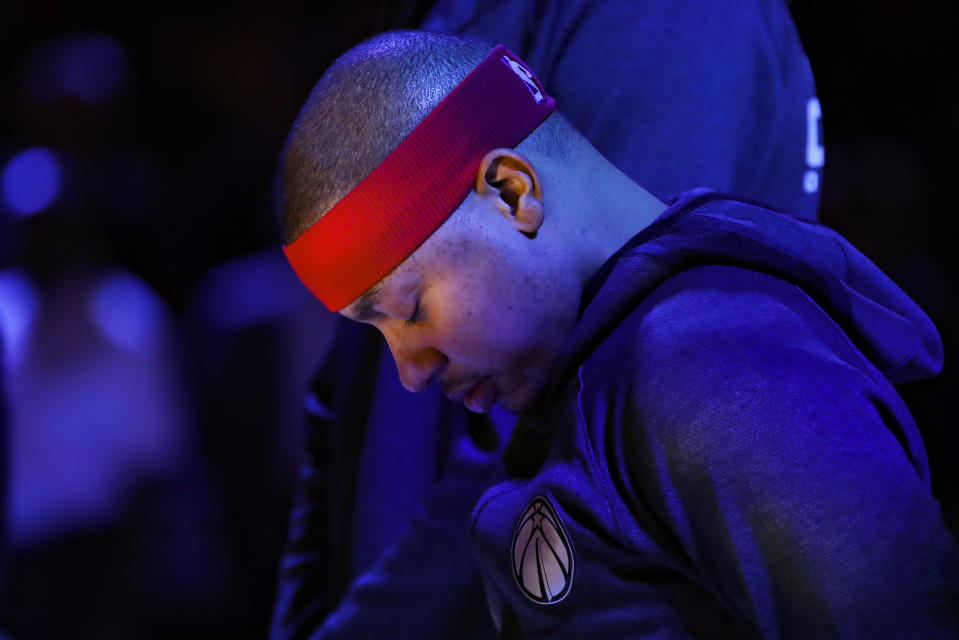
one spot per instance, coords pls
(486, 302)
(368, 102)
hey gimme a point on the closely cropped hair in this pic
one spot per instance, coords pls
(365, 104)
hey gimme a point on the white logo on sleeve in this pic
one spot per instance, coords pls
(526, 76)
(815, 153)
(542, 555)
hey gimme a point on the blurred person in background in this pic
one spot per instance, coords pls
(99, 426)
(3, 488)
(98, 422)
(391, 477)
(8, 242)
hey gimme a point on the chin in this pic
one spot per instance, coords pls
(524, 396)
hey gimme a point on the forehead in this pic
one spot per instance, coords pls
(437, 258)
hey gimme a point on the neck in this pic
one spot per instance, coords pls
(616, 209)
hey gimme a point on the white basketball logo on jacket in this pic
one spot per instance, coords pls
(542, 555)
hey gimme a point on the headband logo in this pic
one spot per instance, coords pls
(526, 76)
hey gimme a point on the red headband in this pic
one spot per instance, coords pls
(388, 215)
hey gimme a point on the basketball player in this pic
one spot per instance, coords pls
(708, 103)
(710, 444)
(356, 530)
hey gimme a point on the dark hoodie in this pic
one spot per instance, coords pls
(722, 453)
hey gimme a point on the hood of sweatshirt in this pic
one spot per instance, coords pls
(706, 228)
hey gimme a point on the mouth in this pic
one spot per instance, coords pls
(478, 396)
(481, 397)
(457, 392)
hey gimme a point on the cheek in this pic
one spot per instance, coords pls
(504, 323)
(499, 307)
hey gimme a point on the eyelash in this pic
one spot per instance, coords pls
(416, 314)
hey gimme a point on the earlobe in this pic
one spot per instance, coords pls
(510, 178)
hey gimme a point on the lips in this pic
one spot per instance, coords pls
(481, 397)
(458, 392)
(478, 396)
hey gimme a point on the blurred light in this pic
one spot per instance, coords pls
(256, 288)
(127, 312)
(18, 308)
(89, 67)
(31, 181)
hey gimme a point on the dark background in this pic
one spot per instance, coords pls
(166, 125)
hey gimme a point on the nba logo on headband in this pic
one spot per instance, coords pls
(526, 76)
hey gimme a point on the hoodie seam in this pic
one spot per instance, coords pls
(593, 459)
(864, 364)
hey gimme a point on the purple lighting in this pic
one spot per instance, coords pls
(19, 304)
(127, 312)
(31, 181)
(89, 67)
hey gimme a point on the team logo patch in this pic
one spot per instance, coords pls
(526, 76)
(542, 555)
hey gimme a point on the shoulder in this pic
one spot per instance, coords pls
(735, 378)
(716, 349)
(713, 319)
(748, 428)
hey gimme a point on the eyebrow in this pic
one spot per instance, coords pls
(365, 303)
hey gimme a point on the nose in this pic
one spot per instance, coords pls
(416, 365)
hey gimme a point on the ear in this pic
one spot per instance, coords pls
(510, 179)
